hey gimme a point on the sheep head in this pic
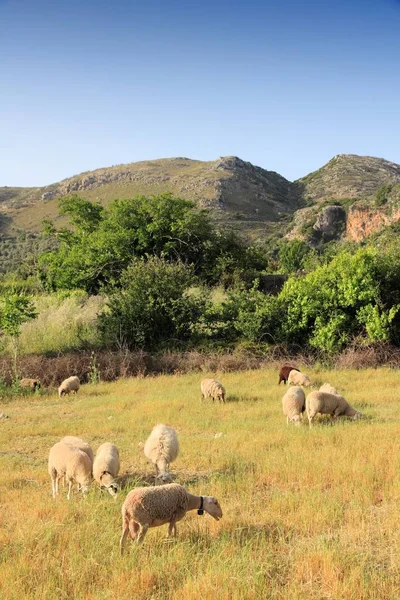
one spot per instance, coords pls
(211, 505)
(163, 478)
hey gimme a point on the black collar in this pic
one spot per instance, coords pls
(200, 511)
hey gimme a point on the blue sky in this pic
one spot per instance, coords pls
(284, 84)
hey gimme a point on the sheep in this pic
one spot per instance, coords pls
(79, 443)
(69, 385)
(328, 389)
(293, 404)
(298, 378)
(161, 448)
(329, 404)
(212, 388)
(146, 507)
(32, 384)
(71, 462)
(284, 373)
(106, 467)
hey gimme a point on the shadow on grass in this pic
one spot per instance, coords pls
(242, 398)
(130, 480)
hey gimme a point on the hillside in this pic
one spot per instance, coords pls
(233, 189)
(252, 200)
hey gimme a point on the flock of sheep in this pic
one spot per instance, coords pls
(72, 460)
(326, 401)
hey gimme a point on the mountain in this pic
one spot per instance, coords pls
(339, 199)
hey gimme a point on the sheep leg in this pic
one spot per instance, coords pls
(125, 530)
(142, 532)
(69, 489)
(53, 486)
(287, 420)
(172, 528)
(311, 420)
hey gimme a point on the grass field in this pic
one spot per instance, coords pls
(308, 514)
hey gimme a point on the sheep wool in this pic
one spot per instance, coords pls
(211, 388)
(293, 404)
(329, 404)
(79, 443)
(69, 385)
(71, 462)
(329, 389)
(162, 448)
(298, 378)
(106, 467)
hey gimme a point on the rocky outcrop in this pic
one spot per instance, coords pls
(330, 223)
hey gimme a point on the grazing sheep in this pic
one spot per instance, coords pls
(79, 443)
(298, 378)
(212, 388)
(106, 467)
(284, 373)
(154, 506)
(329, 404)
(293, 404)
(71, 462)
(162, 448)
(328, 389)
(32, 384)
(69, 385)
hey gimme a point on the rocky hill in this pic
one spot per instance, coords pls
(339, 199)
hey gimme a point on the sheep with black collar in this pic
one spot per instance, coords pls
(146, 507)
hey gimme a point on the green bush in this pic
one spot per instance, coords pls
(153, 307)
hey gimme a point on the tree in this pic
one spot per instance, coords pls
(15, 310)
(292, 255)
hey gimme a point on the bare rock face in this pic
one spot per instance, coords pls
(363, 220)
(330, 223)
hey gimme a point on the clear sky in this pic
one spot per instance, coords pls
(284, 84)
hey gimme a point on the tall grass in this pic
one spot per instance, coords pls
(64, 322)
(308, 514)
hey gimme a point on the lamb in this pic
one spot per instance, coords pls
(106, 467)
(71, 462)
(293, 404)
(79, 443)
(69, 385)
(146, 507)
(162, 448)
(212, 388)
(32, 384)
(298, 378)
(329, 389)
(329, 404)
(284, 373)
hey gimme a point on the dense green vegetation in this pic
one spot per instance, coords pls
(155, 262)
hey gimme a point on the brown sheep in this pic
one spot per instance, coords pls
(284, 373)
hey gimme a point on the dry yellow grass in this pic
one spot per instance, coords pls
(307, 514)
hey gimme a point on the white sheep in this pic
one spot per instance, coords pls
(69, 385)
(293, 404)
(298, 378)
(106, 467)
(161, 448)
(211, 388)
(329, 389)
(71, 462)
(329, 404)
(154, 506)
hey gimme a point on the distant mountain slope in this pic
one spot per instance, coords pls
(233, 189)
(348, 176)
(248, 198)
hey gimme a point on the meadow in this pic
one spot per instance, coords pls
(308, 514)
